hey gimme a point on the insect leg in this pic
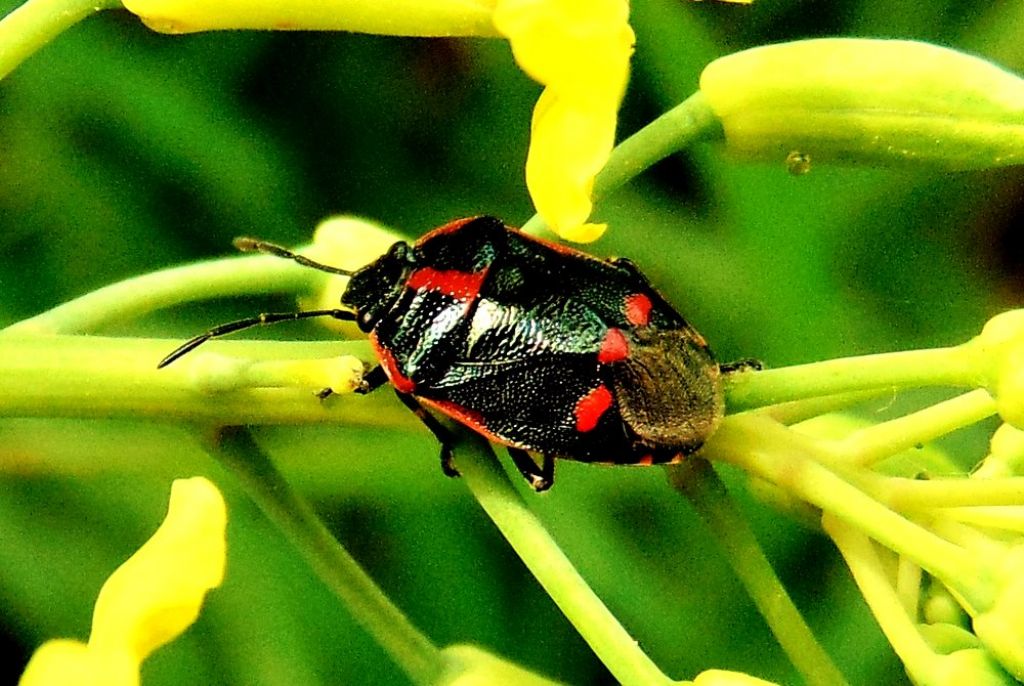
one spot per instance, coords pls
(540, 478)
(746, 364)
(443, 435)
(259, 320)
(372, 380)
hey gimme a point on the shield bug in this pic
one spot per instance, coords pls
(532, 344)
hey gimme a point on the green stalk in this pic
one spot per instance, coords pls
(612, 644)
(774, 453)
(685, 123)
(418, 657)
(879, 441)
(862, 559)
(34, 24)
(90, 376)
(955, 366)
(697, 480)
(134, 297)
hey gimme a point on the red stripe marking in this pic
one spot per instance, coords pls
(474, 420)
(557, 247)
(614, 347)
(459, 285)
(470, 418)
(400, 381)
(590, 407)
(638, 309)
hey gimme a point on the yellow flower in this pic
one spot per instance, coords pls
(579, 50)
(149, 600)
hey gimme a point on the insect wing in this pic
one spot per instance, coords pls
(668, 389)
(554, 403)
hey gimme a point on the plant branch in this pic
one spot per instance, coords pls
(696, 479)
(669, 133)
(34, 24)
(773, 452)
(134, 297)
(612, 644)
(421, 660)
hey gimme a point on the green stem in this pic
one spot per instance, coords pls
(1007, 518)
(678, 128)
(34, 24)
(765, 449)
(619, 652)
(862, 559)
(697, 480)
(669, 133)
(956, 366)
(905, 494)
(90, 376)
(232, 276)
(879, 441)
(421, 660)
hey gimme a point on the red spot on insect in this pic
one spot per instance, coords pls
(638, 309)
(457, 284)
(647, 460)
(401, 382)
(614, 347)
(590, 407)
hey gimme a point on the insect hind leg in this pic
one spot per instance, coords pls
(744, 365)
(442, 434)
(540, 478)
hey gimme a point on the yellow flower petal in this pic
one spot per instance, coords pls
(570, 144)
(157, 593)
(387, 17)
(65, 662)
(579, 50)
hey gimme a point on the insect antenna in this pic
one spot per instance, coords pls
(259, 320)
(246, 244)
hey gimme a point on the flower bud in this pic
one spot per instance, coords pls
(947, 639)
(1001, 627)
(973, 666)
(349, 243)
(856, 100)
(1006, 455)
(940, 607)
(999, 355)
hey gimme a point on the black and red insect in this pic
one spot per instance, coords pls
(534, 345)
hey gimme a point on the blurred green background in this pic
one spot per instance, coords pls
(123, 151)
